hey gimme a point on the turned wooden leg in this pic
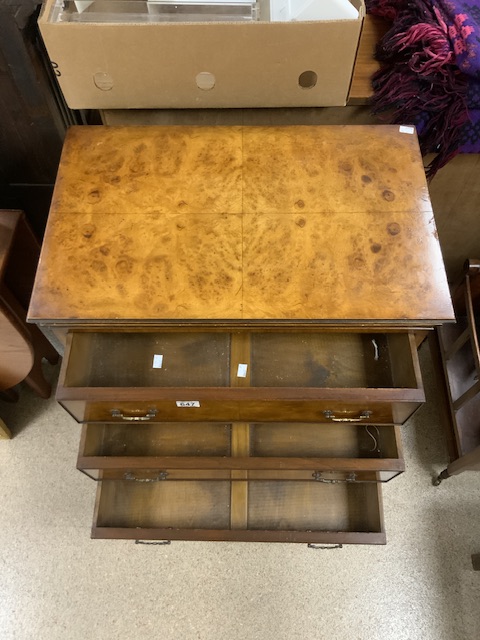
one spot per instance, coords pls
(42, 346)
(42, 349)
(476, 561)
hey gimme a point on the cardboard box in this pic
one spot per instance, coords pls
(202, 65)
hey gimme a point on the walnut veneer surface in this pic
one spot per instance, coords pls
(241, 224)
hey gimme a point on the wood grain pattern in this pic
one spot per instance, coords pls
(377, 270)
(454, 192)
(184, 504)
(137, 266)
(233, 224)
(150, 170)
(239, 500)
(338, 168)
(239, 493)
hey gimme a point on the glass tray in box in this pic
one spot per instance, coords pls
(118, 11)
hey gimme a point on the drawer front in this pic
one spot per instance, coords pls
(261, 451)
(131, 473)
(256, 511)
(194, 410)
(315, 377)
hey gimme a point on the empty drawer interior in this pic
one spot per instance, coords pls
(157, 439)
(286, 440)
(239, 505)
(148, 360)
(305, 440)
(263, 359)
(332, 360)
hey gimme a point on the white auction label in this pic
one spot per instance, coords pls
(188, 403)
(242, 370)
(404, 129)
(157, 361)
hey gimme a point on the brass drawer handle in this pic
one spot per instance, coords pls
(318, 477)
(131, 476)
(311, 545)
(331, 416)
(151, 413)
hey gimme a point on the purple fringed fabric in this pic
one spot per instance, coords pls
(431, 73)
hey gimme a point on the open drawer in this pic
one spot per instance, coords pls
(258, 376)
(269, 451)
(255, 511)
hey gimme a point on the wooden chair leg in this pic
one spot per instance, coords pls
(42, 346)
(37, 382)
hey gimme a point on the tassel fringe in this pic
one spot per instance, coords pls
(419, 82)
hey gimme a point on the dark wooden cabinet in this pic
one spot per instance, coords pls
(33, 114)
(241, 309)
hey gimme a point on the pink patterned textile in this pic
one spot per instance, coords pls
(431, 73)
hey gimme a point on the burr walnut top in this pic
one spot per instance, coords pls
(238, 225)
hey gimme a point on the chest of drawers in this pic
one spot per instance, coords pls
(240, 310)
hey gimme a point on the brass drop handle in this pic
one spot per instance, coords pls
(131, 476)
(312, 545)
(318, 477)
(151, 413)
(331, 416)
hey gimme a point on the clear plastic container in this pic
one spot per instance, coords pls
(304, 10)
(140, 11)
